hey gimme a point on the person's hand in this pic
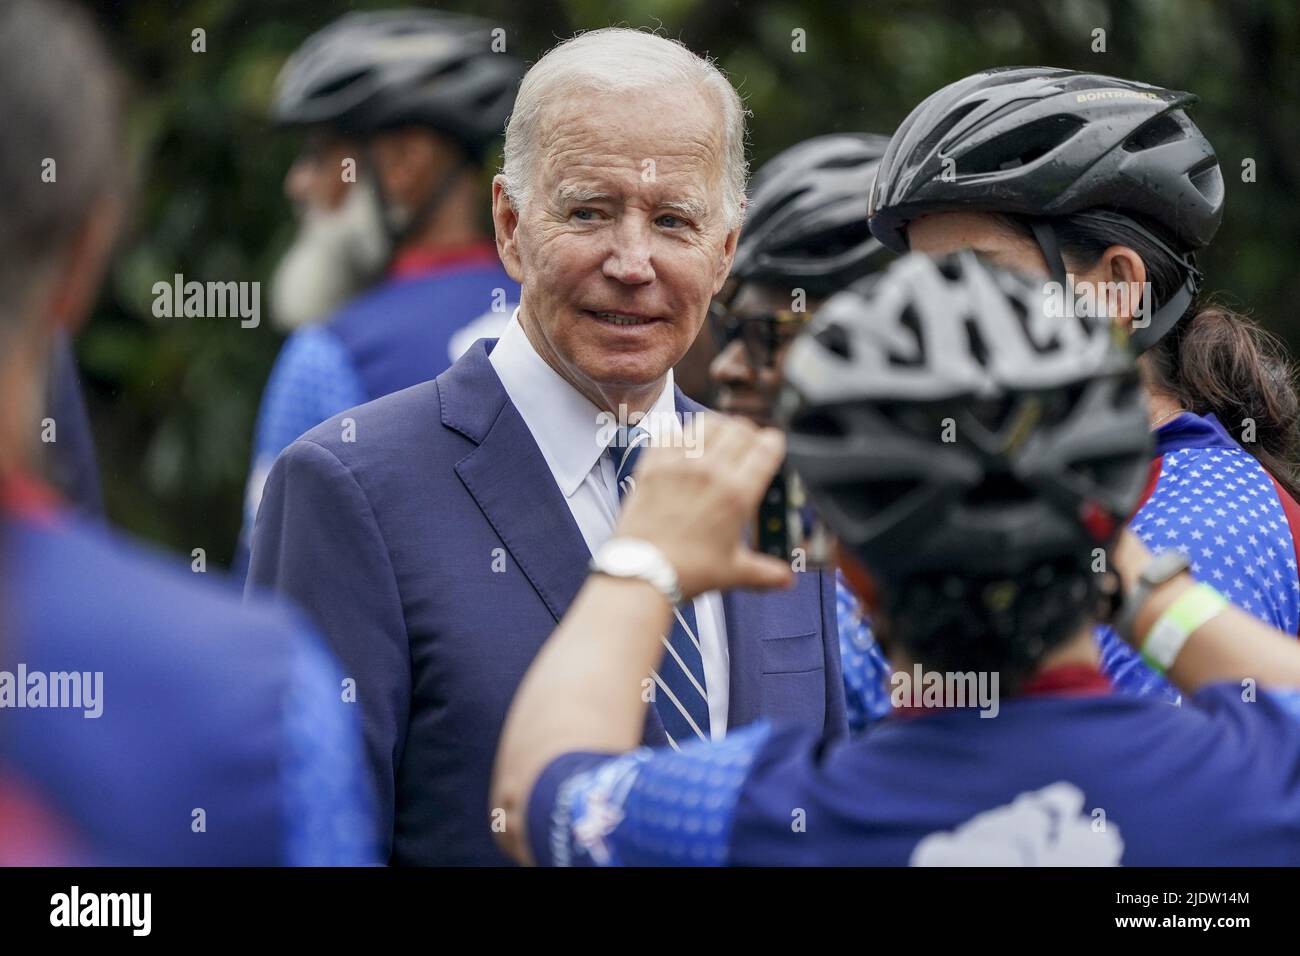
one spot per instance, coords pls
(1129, 556)
(693, 502)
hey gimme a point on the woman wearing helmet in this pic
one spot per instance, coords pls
(979, 555)
(1107, 184)
(805, 237)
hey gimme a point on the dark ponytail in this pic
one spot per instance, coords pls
(1214, 360)
(1217, 360)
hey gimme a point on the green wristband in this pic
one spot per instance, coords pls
(1190, 610)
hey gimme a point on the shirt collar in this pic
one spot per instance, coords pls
(566, 426)
(1189, 430)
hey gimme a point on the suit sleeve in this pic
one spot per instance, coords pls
(317, 542)
(837, 726)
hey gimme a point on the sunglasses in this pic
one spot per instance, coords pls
(764, 334)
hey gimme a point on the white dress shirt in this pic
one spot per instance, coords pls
(566, 427)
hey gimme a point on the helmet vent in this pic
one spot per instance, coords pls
(863, 500)
(818, 425)
(449, 69)
(830, 244)
(1209, 183)
(949, 269)
(941, 129)
(342, 83)
(999, 490)
(1160, 130)
(993, 414)
(1020, 147)
(845, 162)
(909, 320)
(979, 350)
(834, 339)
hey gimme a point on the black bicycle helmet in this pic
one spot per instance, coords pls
(1044, 142)
(371, 71)
(806, 221)
(945, 421)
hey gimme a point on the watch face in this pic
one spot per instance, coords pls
(1165, 566)
(624, 557)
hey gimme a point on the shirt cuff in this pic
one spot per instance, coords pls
(545, 830)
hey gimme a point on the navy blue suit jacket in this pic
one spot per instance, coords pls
(426, 535)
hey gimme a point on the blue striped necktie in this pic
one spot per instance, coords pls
(681, 692)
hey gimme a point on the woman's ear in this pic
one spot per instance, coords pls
(1126, 295)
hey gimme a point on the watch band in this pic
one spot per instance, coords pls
(1163, 567)
(638, 560)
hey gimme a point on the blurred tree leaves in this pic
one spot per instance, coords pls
(173, 400)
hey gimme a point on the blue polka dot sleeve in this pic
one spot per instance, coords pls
(313, 380)
(866, 672)
(645, 808)
(328, 805)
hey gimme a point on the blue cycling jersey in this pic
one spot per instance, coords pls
(165, 719)
(1075, 775)
(1214, 502)
(866, 672)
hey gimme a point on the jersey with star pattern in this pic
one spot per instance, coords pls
(1214, 503)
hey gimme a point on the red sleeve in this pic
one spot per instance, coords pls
(30, 835)
(1292, 512)
(1153, 479)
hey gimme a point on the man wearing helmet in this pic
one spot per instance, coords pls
(805, 237)
(398, 110)
(976, 555)
(1105, 182)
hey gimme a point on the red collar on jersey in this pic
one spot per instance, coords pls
(23, 496)
(1067, 680)
(422, 259)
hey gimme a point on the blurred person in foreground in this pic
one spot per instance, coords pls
(145, 718)
(976, 557)
(805, 237)
(392, 274)
(440, 547)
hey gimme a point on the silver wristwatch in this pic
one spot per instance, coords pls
(1163, 567)
(634, 558)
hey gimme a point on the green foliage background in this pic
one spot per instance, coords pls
(173, 400)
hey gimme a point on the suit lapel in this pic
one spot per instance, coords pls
(509, 480)
(512, 485)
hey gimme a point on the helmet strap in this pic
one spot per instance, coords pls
(1166, 317)
(398, 233)
(1045, 234)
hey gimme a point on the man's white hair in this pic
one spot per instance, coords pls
(620, 60)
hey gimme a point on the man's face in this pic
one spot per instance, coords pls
(623, 242)
(747, 370)
(341, 243)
